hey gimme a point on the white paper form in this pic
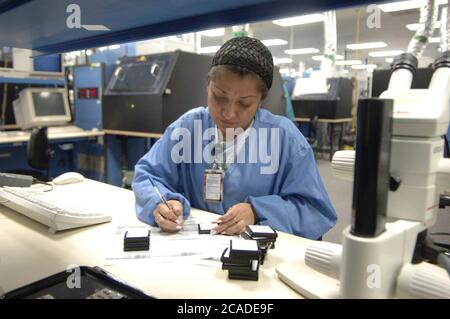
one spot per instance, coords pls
(187, 244)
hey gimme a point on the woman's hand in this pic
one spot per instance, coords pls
(169, 220)
(235, 220)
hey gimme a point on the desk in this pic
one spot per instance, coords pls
(14, 137)
(69, 148)
(123, 150)
(28, 252)
(332, 123)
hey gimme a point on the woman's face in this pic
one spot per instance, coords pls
(233, 100)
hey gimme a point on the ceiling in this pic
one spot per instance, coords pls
(393, 31)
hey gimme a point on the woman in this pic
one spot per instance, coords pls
(234, 158)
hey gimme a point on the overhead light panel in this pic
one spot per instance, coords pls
(415, 26)
(434, 40)
(366, 45)
(273, 42)
(378, 54)
(305, 19)
(114, 46)
(364, 66)
(320, 57)
(348, 62)
(213, 32)
(405, 5)
(281, 60)
(210, 49)
(302, 51)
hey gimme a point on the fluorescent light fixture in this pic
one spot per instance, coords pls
(389, 60)
(348, 62)
(320, 57)
(281, 60)
(434, 40)
(114, 46)
(405, 5)
(378, 54)
(366, 45)
(102, 49)
(213, 32)
(415, 26)
(364, 66)
(302, 51)
(210, 49)
(273, 42)
(305, 19)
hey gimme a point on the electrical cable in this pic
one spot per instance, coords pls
(443, 260)
(35, 181)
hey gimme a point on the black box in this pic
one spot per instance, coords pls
(136, 239)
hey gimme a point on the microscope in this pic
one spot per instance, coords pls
(399, 173)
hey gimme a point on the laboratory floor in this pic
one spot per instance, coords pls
(340, 193)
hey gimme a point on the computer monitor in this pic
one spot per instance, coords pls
(41, 107)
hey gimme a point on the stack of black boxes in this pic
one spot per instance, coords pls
(242, 259)
(265, 236)
(136, 239)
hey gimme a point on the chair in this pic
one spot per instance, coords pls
(38, 152)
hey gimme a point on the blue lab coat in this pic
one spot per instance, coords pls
(293, 199)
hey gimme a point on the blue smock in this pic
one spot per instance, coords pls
(292, 199)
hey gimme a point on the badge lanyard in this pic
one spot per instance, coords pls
(213, 180)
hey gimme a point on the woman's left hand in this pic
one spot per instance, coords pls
(235, 220)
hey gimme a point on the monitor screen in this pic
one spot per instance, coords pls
(41, 107)
(48, 103)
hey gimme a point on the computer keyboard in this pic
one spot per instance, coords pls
(50, 210)
(64, 129)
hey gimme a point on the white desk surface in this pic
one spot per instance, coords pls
(25, 136)
(28, 253)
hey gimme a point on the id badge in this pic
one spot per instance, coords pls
(213, 185)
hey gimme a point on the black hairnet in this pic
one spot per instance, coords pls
(248, 53)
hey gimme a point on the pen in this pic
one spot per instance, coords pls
(159, 193)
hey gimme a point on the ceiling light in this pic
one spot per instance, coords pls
(377, 54)
(320, 57)
(367, 45)
(302, 51)
(364, 66)
(415, 26)
(405, 5)
(305, 19)
(434, 40)
(114, 46)
(273, 42)
(348, 62)
(281, 60)
(213, 32)
(210, 49)
(389, 60)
